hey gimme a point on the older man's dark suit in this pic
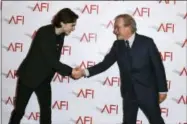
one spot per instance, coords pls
(142, 77)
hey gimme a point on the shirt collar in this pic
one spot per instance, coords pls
(131, 39)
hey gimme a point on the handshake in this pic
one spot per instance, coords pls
(77, 73)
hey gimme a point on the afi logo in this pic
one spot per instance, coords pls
(166, 56)
(10, 100)
(11, 74)
(86, 93)
(34, 116)
(67, 50)
(89, 37)
(91, 8)
(166, 27)
(110, 24)
(15, 47)
(142, 11)
(84, 120)
(168, 1)
(41, 7)
(139, 122)
(110, 109)
(19, 19)
(111, 81)
(184, 43)
(165, 111)
(182, 99)
(168, 84)
(183, 72)
(60, 78)
(87, 64)
(32, 36)
(60, 105)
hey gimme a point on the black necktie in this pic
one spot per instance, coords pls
(128, 51)
(127, 44)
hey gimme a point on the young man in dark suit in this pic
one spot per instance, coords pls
(143, 78)
(41, 63)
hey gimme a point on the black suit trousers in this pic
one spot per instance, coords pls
(23, 94)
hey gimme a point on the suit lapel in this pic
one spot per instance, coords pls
(122, 48)
(123, 54)
(136, 45)
(135, 41)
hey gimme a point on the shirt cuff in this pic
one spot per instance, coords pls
(86, 72)
(162, 92)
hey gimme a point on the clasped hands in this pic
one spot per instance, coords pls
(77, 73)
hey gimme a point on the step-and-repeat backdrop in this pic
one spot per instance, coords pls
(95, 100)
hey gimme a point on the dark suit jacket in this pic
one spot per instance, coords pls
(43, 58)
(145, 69)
